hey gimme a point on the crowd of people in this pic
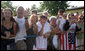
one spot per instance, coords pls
(40, 32)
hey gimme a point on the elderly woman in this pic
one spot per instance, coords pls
(53, 38)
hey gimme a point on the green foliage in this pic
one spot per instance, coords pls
(39, 9)
(8, 4)
(33, 7)
(53, 6)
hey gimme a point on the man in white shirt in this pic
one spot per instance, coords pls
(22, 23)
(43, 32)
(62, 21)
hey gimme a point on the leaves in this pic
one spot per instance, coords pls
(8, 4)
(53, 6)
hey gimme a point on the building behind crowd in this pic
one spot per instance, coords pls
(75, 9)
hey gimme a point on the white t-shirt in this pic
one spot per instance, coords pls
(55, 41)
(72, 26)
(22, 30)
(62, 21)
(41, 42)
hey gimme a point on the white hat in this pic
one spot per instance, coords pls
(52, 17)
(60, 16)
(44, 13)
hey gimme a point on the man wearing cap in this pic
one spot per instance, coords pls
(62, 20)
(34, 12)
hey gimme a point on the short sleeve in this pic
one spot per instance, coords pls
(39, 26)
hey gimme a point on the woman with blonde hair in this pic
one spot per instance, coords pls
(32, 32)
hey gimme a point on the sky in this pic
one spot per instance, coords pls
(28, 4)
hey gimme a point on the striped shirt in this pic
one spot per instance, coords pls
(64, 42)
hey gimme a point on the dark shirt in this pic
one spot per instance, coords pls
(4, 29)
(71, 37)
(30, 31)
(30, 40)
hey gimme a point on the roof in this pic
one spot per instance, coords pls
(82, 7)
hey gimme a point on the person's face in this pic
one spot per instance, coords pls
(81, 18)
(77, 13)
(7, 14)
(20, 12)
(72, 20)
(33, 19)
(43, 20)
(53, 22)
(65, 16)
(60, 13)
(33, 12)
(72, 17)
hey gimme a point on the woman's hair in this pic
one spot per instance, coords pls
(66, 25)
(42, 16)
(9, 10)
(2, 16)
(12, 19)
(33, 15)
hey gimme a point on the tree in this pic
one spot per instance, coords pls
(8, 4)
(53, 6)
(33, 7)
(39, 9)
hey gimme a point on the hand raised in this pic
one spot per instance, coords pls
(26, 13)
